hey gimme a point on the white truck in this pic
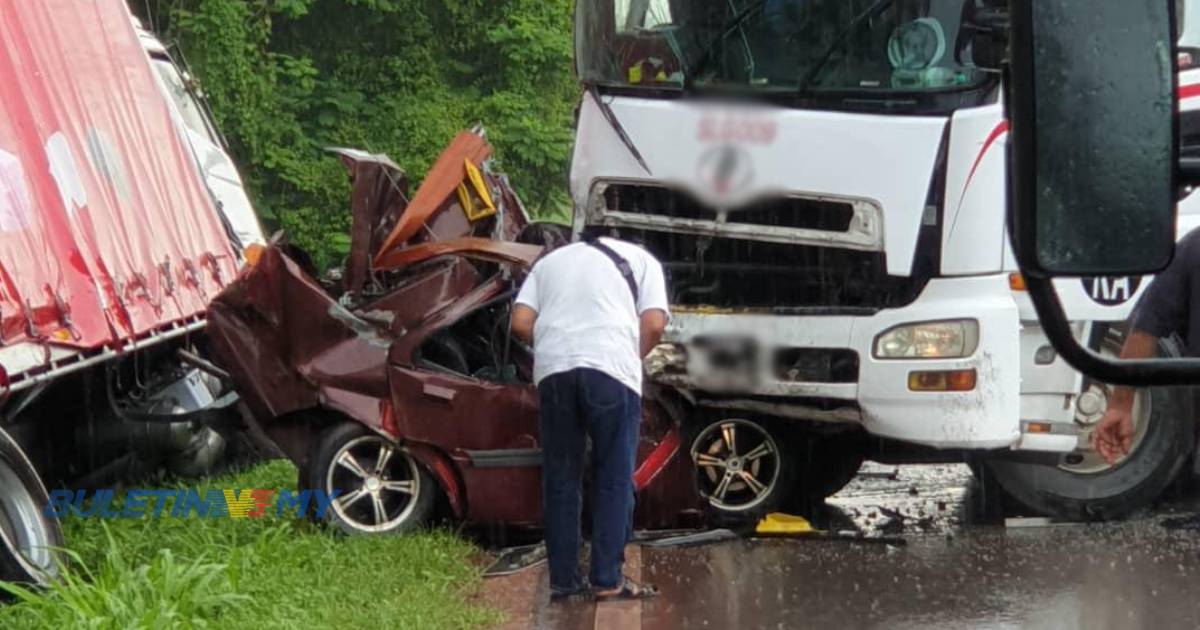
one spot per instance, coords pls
(825, 183)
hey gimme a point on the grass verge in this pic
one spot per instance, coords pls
(271, 572)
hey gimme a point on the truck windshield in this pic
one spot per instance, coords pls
(809, 46)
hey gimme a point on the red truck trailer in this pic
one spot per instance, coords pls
(110, 249)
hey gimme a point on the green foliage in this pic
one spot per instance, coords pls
(287, 78)
(164, 593)
(264, 573)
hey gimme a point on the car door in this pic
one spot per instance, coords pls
(486, 424)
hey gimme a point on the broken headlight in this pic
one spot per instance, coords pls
(953, 339)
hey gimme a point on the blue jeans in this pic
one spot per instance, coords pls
(577, 405)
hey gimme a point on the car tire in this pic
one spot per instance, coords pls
(29, 539)
(1144, 474)
(372, 498)
(756, 455)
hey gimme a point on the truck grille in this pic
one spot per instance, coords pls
(736, 273)
(788, 212)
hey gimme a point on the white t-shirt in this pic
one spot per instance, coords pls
(586, 316)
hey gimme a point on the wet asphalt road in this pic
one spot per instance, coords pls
(955, 569)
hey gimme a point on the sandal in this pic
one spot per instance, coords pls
(630, 590)
(584, 591)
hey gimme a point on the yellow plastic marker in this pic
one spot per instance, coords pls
(777, 523)
(464, 200)
(476, 178)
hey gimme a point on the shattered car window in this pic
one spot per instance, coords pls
(479, 346)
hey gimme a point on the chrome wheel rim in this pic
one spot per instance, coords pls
(378, 481)
(23, 528)
(737, 464)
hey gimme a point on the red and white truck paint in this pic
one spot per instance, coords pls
(111, 246)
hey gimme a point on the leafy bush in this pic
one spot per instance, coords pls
(287, 78)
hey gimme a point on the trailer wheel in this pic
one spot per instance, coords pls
(740, 470)
(381, 488)
(29, 540)
(1082, 486)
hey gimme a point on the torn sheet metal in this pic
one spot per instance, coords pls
(461, 196)
(287, 343)
(482, 248)
(378, 197)
(440, 182)
(415, 345)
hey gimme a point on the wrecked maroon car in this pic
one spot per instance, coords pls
(400, 386)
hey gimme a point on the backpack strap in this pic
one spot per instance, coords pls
(620, 262)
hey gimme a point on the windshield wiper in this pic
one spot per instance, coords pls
(611, 117)
(732, 25)
(853, 25)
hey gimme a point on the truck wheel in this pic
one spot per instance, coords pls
(381, 489)
(1083, 486)
(29, 540)
(740, 469)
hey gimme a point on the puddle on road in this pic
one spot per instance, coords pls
(889, 500)
(1127, 575)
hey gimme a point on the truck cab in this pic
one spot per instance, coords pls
(825, 184)
(204, 140)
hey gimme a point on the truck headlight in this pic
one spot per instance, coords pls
(952, 339)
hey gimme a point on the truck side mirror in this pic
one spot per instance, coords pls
(1093, 146)
(1094, 157)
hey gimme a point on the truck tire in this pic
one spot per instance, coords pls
(741, 470)
(29, 540)
(1108, 492)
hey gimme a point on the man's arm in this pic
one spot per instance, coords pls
(651, 302)
(1113, 436)
(1162, 310)
(525, 309)
(652, 323)
(522, 321)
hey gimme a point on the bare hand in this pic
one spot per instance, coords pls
(1113, 437)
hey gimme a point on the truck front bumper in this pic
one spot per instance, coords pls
(736, 360)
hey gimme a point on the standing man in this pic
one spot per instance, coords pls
(1171, 304)
(591, 310)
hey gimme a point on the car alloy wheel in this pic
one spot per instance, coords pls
(377, 486)
(738, 464)
(379, 483)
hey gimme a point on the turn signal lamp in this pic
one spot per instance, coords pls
(1016, 282)
(253, 253)
(942, 381)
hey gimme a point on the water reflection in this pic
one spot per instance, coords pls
(1133, 574)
